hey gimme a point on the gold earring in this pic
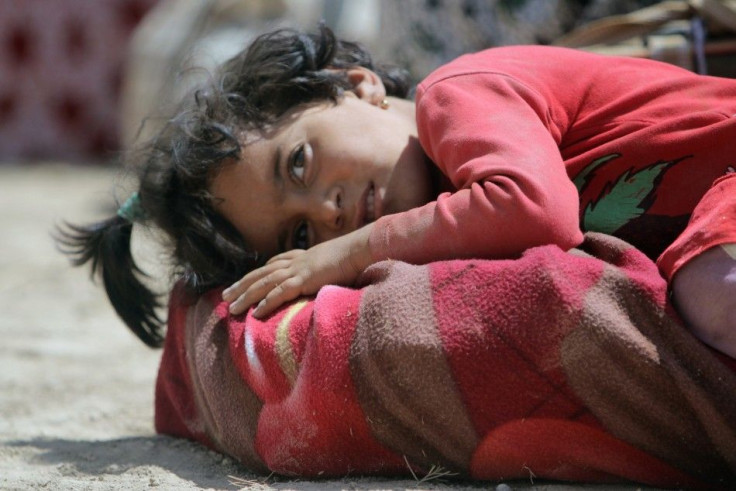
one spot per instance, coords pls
(384, 104)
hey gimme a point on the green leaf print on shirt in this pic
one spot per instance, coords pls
(623, 199)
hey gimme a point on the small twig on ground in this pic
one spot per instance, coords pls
(408, 465)
(244, 483)
(531, 474)
(435, 472)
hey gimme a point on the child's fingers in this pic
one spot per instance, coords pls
(284, 292)
(241, 286)
(256, 288)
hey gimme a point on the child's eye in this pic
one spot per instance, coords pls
(300, 240)
(297, 163)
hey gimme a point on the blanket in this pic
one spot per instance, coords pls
(560, 365)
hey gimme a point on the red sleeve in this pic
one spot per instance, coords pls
(492, 137)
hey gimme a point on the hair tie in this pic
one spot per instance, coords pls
(132, 210)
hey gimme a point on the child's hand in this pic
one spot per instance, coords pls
(298, 272)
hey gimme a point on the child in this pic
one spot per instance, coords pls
(308, 154)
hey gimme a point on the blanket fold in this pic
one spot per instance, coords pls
(562, 365)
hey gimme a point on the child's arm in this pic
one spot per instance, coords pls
(300, 272)
(495, 140)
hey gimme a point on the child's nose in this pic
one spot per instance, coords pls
(328, 209)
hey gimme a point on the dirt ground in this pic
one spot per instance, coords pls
(76, 389)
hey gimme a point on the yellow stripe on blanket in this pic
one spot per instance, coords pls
(283, 347)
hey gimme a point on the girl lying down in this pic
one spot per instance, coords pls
(304, 162)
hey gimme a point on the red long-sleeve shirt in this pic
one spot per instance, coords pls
(540, 143)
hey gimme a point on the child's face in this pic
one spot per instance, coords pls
(322, 172)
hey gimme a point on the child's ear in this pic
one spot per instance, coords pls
(367, 85)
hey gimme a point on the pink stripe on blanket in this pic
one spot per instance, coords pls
(326, 433)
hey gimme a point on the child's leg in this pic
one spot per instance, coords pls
(700, 267)
(704, 292)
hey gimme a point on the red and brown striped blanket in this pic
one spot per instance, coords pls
(562, 365)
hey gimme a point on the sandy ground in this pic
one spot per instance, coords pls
(76, 389)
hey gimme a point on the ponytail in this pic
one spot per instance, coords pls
(106, 245)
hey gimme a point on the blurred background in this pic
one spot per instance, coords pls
(78, 76)
(61, 69)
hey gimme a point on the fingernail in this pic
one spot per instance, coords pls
(261, 305)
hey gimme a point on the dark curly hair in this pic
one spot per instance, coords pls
(278, 72)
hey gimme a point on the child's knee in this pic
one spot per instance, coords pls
(704, 292)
